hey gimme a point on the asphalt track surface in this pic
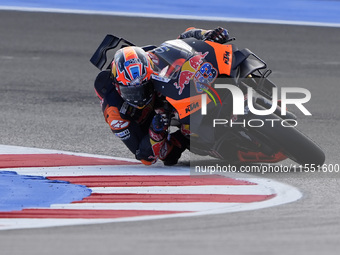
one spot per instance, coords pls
(48, 101)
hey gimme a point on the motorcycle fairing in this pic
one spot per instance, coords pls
(109, 42)
(189, 67)
(245, 63)
(224, 56)
(188, 105)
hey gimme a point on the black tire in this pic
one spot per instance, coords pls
(293, 143)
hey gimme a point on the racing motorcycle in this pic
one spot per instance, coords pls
(193, 77)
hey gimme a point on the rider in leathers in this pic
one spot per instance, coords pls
(134, 111)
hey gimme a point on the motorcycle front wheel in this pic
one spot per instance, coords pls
(292, 142)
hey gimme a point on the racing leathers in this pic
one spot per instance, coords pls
(135, 127)
(145, 131)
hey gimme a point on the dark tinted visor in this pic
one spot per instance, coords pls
(137, 96)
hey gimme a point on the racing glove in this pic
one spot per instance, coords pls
(158, 133)
(159, 123)
(219, 35)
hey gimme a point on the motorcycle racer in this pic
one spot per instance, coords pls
(134, 112)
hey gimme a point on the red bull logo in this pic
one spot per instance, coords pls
(188, 70)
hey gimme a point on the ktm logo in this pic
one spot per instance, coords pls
(226, 57)
(192, 106)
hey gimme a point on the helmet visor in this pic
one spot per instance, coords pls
(137, 96)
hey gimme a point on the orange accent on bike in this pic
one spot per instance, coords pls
(224, 56)
(188, 105)
(254, 157)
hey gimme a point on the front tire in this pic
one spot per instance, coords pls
(293, 143)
